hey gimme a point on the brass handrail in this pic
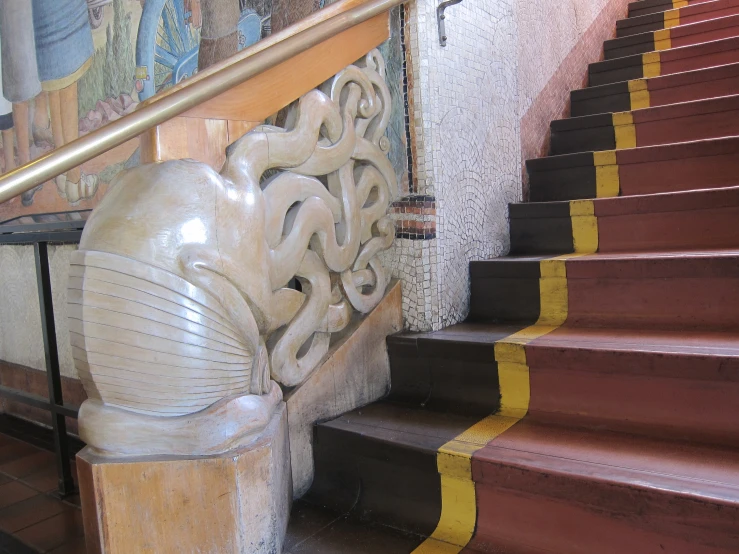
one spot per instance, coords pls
(150, 115)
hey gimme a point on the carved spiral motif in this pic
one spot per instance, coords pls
(181, 292)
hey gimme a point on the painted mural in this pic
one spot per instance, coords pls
(69, 67)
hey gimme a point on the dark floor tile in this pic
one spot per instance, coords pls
(15, 449)
(344, 536)
(29, 512)
(74, 546)
(305, 521)
(20, 467)
(4, 479)
(46, 479)
(74, 500)
(13, 492)
(11, 545)
(53, 532)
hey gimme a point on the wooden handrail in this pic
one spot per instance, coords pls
(201, 88)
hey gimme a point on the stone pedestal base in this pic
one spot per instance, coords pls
(234, 502)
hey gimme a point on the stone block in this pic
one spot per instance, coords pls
(233, 502)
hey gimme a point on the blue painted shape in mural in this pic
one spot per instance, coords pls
(249, 28)
(166, 46)
(63, 37)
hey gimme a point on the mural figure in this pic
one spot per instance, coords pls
(70, 67)
(46, 48)
(64, 50)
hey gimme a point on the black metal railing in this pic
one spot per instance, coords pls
(40, 230)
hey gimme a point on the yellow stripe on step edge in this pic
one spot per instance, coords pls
(679, 3)
(607, 183)
(638, 94)
(651, 66)
(624, 129)
(453, 460)
(672, 18)
(584, 226)
(662, 40)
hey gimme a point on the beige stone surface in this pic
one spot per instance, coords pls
(238, 502)
(355, 373)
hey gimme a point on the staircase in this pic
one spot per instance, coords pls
(606, 345)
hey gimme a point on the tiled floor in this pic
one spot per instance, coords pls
(31, 519)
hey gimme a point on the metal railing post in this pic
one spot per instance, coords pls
(53, 377)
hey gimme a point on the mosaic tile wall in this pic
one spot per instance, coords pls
(466, 107)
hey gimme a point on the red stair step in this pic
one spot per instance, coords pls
(586, 491)
(656, 383)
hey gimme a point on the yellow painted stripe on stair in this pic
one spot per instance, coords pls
(662, 39)
(679, 3)
(639, 94)
(672, 18)
(624, 129)
(453, 460)
(607, 183)
(651, 66)
(584, 226)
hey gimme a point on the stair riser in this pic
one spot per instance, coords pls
(685, 397)
(666, 293)
(636, 176)
(460, 377)
(666, 303)
(697, 33)
(385, 483)
(683, 230)
(675, 175)
(504, 300)
(650, 133)
(640, 232)
(646, 7)
(671, 89)
(688, 15)
(672, 62)
(642, 524)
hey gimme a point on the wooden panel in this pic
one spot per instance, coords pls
(237, 129)
(204, 140)
(266, 93)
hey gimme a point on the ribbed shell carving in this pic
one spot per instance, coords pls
(146, 340)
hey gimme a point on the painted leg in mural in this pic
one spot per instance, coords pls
(74, 186)
(41, 124)
(55, 110)
(22, 124)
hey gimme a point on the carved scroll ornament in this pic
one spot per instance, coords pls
(180, 309)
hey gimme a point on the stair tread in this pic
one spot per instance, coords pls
(675, 467)
(723, 344)
(681, 109)
(417, 428)
(643, 154)
(688, 200)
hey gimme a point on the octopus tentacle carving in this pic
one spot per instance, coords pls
(211, 257)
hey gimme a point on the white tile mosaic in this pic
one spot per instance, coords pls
(467, 103)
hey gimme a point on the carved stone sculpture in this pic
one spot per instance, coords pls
(181, 310)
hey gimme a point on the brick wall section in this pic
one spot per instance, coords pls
(553, 102)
